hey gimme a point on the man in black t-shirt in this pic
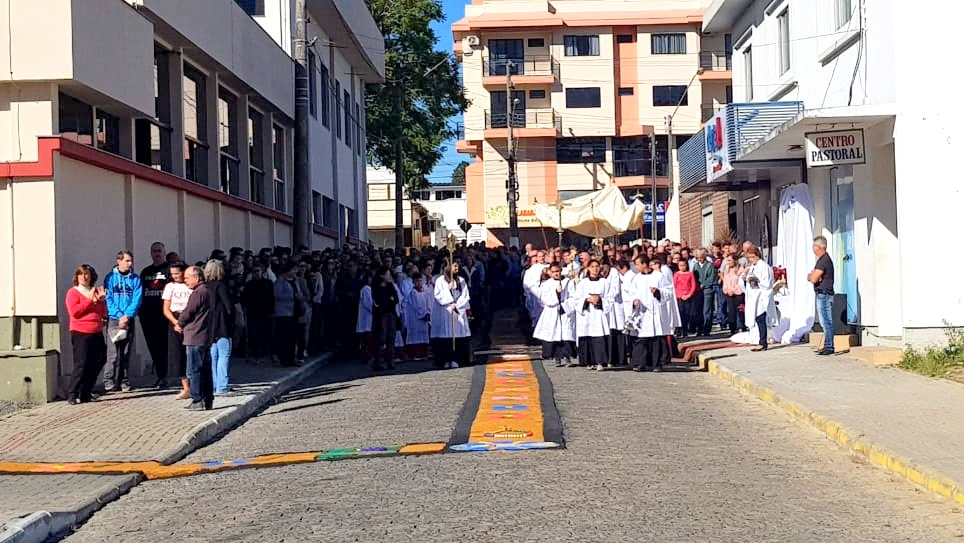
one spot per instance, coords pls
(822, 279)
(154, 278)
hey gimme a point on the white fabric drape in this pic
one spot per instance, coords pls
(794, 251)
(599, 214)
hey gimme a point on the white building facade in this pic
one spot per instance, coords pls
(124, 122)
(825, 95)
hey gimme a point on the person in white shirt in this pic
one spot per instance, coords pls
(363, 326)
(451, 336)
(617, 318)
(418, 313)
(174, 299)
(555, 327)
(530, 286)
(648, 292)
(592, 302)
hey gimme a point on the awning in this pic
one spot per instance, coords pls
(599, 214)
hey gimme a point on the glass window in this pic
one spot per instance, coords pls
(195, 126)
(316, 210)
(844, 11)
(328, 212)
(76, 120)
(668, 44)
(536, 43)
(626, 91)
(783, 24)
(537, 94)
(227, 135)
(325, 96)
(581, 46)
(625, 38)
(748, 72)
(254, 8)
(278, 143)
(108, 132)
(580, 150)
(255, 139)
(632, 156)
(312, 85)
(505, 55)
(585, 97)
(669, 95)
(337, 109)
(346, 99)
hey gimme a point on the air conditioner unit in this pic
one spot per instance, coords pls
(472, 41)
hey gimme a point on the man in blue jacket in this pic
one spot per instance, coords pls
(124, 293)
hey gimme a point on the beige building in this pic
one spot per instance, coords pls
(591, 84)
(381, 212)
(124, 122)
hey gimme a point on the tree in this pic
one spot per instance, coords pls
(458, 175)
(430, 81)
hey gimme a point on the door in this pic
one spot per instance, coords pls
(498, 105)
(707, 223)
(845, 266)
(503, 51)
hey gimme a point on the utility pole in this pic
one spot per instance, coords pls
(302, 182)
(512, 184)
(652, 170)
(399, 92)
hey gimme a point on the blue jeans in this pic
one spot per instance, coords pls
(825, 316)
(720, 305)
(199, 374)
(220, 363)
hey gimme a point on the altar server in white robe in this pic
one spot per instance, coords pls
(758, 285)
(451, 335)
(649, 342)
(418, 314)
(661, 278)
(591, 303)
(617, 319)
(530, 285)
(555, 328)
(363, 326)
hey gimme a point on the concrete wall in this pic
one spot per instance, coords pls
(26, 110)
(27, 230)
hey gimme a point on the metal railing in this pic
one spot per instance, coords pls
(716, 61)
(528, 65)
(530, 118)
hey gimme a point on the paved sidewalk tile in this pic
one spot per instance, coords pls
(136, 426)
(21, 495)
(920, 420)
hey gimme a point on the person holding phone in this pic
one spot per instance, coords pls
(86, 310)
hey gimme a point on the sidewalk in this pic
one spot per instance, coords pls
(141, 425)
(908, 424)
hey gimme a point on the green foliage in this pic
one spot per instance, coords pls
(937, 361)
(458, 175)
(431, 84)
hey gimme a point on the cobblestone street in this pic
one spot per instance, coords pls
(649, 457)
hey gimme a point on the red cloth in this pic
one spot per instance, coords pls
(685, 284)
(86, 317)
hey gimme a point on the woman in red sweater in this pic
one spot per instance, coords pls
(685, 283)
(87, 311)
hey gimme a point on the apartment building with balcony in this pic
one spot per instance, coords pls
(124, 122)
(828, 102)
(585, 86)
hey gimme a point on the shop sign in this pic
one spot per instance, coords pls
(717, 148)
(498, 216)
(835, 148)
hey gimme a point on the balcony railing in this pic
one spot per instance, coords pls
(530, 118)
(716, 61)
(710, 109)
(529, 65)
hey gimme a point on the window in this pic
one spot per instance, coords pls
(312, 86)
(195, 126)
(447, 194)
(254, 8)
(108, 132)
(584, 97)
(783, 26)
(729, 94)
(844, 11)
(316, 210)
(669, 95)
(506, 56)
(278, 148)
(626, 91)
(228, 143)
(582, 46)
(632, 156)
(325, 96)
(748, 72)
(498, 118)
(536, 43)
(76, 120)
(327, 212)
(625, 38)
(346, 100)
(152, 137)
(537, 95)
(668, 44)
(358, 130)
(381, 192)
(256, 155)
(338, 109)
(421, 195)
(580, 150)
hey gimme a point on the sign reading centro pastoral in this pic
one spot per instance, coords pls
(835, 148)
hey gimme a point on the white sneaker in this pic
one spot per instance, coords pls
(453, 365)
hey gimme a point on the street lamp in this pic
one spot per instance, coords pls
(560, 205)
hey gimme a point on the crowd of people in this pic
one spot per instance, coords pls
(617, 306)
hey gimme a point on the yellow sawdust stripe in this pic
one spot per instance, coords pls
(510, 408)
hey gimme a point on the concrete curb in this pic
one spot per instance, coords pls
(42, 525)
(848, 438)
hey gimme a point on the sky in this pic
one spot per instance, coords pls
(454, 10)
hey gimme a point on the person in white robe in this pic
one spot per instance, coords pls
(530, 285)
(555, 328)
(617, 319)
(364, 323)
(418, 314)
(757, 283)
(661, 278)
(591, 304)
(648, 290)
(451, 336)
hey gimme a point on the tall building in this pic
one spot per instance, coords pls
(585, 85)
(830, 111)
(124, 122)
